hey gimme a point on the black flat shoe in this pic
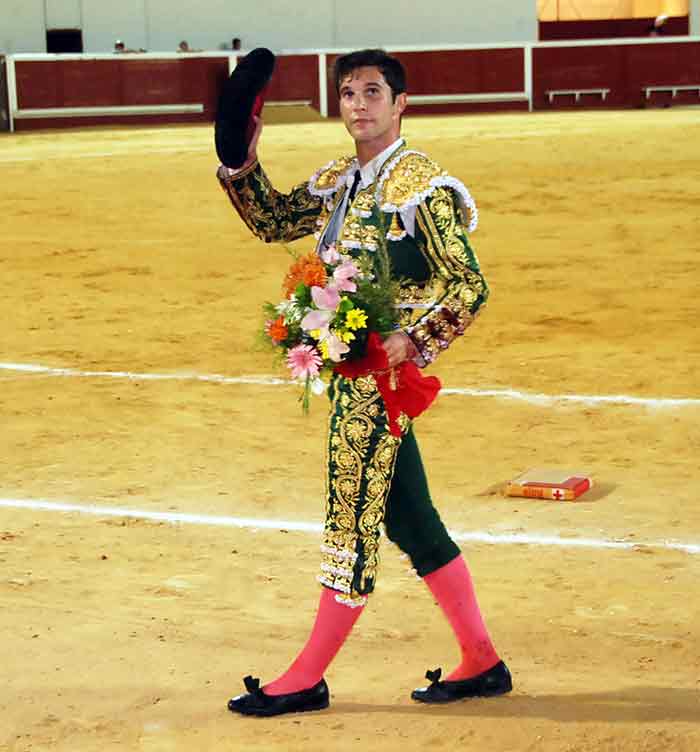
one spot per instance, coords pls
(256, 702)
(495, 681)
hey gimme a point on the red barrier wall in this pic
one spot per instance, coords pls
(139, 81)
(118, 82)
(624, 69)
(610, 28)
(295, 78)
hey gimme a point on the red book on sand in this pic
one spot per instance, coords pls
(552, 484)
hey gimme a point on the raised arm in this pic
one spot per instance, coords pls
(271, 215)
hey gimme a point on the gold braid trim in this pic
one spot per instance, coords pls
(455, 263)
(271, 215)
(361, 468)
(411, 177)
(328, 179)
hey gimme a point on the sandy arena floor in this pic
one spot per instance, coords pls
(121, 259)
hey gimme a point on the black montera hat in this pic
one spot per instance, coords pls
(242, 98)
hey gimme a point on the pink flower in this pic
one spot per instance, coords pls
(316, 320)
(336, 348)
(330, 255)
(326, 300)
(304, 361)
(342, 276)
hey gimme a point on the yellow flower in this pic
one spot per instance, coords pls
(356, 319)
(324, 349)
(346, 336)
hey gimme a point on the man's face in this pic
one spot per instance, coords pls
(367, 108)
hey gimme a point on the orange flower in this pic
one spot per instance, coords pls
(308, 270)
(315, 274)
(276, 330)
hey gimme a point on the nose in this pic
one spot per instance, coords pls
(359, 103)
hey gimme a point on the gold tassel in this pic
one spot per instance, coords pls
(396, 232)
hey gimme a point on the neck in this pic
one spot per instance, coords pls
(368, 150)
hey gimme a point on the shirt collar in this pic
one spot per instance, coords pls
(369, 173)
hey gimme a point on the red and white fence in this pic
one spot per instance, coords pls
(46, 91)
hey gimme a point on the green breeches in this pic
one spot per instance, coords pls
(374, 478)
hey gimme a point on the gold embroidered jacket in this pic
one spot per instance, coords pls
(441, 285)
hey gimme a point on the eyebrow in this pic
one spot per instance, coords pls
(364, 85)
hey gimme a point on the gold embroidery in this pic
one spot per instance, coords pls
(363, 204)
(362, 460)
(464, 288)
(271, 215)
(357, 234)
(380, 473)
(409, 178)
(328, 177)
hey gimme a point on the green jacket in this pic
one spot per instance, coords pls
(441, 286)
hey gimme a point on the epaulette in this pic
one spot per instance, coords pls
(329, 178)
(411, 177)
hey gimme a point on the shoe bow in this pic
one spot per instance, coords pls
(253, 688)
(433, 676)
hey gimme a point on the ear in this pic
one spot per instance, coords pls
(400, 104)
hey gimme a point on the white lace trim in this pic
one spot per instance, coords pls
(351, 602)
(391, 236)
(336, 570)
(361, 213)
(342, 177)
(330, 583)
(467, 203)
(339, 553)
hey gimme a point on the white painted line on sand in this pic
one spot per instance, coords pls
(544, 400)
(529, 539)
(127, 151)
(180, 376)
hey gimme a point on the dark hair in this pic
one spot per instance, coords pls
(392, 70)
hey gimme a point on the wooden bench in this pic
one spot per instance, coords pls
(576, 93)
(674, 89)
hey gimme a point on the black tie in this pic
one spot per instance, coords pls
(353, 189)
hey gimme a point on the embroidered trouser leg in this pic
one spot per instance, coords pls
(361, 457)
(372, 473)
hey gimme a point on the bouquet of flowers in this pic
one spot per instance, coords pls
(332, 303)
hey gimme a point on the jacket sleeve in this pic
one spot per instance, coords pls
(271, 215)
(454, 266)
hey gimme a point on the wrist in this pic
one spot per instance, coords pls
(233, 173)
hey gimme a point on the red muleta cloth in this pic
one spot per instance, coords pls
(404, 389)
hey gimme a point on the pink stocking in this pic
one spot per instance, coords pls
(334, 621)
(453, 589)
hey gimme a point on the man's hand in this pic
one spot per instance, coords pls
(399, 348)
